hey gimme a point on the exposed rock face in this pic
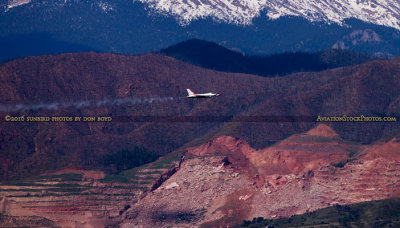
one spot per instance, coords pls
(193, 195)
(356, 38)
(302, 152)
(163, 178)
(297, 175)
(218, 184)
(293, 155)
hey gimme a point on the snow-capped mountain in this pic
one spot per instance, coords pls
(380, 12)
(34, 27)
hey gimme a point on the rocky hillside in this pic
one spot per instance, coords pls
(145, 96)
(73, 198)
(222, 182)
(226, 181)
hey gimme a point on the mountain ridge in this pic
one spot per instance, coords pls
(219, 183)
(381, 12)
(96, 77)
(128, 27)
(213, 56)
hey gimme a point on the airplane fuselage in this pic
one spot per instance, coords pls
(192, 94)
(204, 95)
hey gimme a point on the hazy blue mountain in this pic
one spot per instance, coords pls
(213, 56)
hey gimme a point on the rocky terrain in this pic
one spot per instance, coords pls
(72, 198)
(93, 139)
(254, 151)
(136, 90)
(225, 181)
(218, 184)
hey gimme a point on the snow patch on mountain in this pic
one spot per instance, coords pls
(15, 3)
(381, 12)
(230, 11)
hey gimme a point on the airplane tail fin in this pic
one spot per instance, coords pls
(190, 92)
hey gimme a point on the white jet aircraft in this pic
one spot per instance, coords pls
(203, 95)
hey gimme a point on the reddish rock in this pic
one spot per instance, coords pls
(292, 177)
